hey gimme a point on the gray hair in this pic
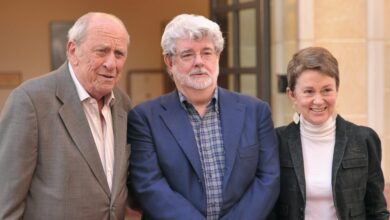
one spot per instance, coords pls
(78, 31)
(193, 27)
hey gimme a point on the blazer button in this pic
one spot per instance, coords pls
(301, 213)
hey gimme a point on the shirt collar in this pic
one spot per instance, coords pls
(214, 100)
(83, 94)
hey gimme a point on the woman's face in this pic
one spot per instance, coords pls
(314, 96)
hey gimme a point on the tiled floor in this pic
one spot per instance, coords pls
(132, 215)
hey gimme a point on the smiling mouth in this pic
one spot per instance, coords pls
(318, 109)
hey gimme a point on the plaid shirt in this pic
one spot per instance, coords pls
(209, 140)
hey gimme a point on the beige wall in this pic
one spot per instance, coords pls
(24, 26)
(284, 34)
(386, 81)
(357, 32)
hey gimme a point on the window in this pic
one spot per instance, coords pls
(245, 61)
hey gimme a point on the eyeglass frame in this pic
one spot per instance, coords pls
(189, 56)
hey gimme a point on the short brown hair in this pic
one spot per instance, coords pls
(312, 58)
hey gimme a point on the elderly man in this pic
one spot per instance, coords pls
(202, 152)
(63, 152)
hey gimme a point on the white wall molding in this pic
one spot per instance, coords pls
(376, 71)
(305, 23)
(375, 64)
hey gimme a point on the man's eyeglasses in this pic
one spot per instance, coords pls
(190, 55)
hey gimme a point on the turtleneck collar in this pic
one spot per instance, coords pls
(309, 130)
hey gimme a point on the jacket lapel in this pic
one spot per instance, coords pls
(294, 144)
(339, 148)
(176, 119)
(119, 128)
(232, 115)
(76, 123)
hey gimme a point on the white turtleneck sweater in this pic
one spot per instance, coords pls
(317, 147)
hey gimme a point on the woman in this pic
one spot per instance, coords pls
(330, 168)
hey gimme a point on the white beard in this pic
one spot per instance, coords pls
(192, 82)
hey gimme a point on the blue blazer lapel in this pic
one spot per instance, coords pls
(176, 119)
(295, 148)
(232, 114)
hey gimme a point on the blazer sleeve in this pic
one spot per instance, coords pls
(260, 197)
(18, 153)
(375, 201)
(157, 199)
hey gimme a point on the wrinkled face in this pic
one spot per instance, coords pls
(314, 96)
(99, 59)
(195, 64)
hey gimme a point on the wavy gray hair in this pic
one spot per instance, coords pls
(193, 27)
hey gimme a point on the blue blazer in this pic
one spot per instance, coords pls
(165, 169)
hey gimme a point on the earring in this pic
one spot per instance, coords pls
(296, 114)
(296, 117)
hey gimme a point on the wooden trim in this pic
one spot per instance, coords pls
(10, 79)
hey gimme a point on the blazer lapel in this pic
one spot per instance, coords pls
(339, 148)
(76, 123)
(119, 127)
(295, 147)
(176, 119)
(232, 115)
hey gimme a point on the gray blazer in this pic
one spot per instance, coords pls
(49, 164)
(357, 178)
